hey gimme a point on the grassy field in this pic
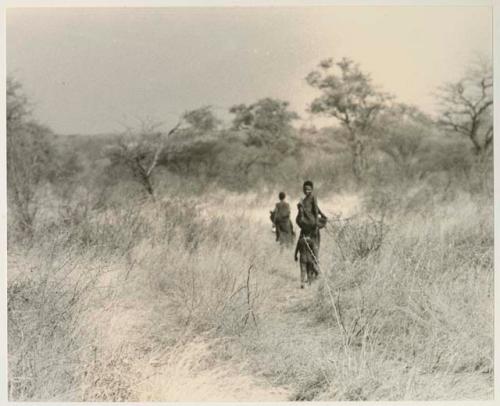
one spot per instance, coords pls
(191, 299)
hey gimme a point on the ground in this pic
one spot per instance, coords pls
(152, 305)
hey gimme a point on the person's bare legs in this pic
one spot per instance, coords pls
(303, 274)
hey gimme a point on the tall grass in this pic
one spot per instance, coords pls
(90, 297)
(133, 301)
(417, 312)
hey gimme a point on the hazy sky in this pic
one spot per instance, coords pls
(88, 70)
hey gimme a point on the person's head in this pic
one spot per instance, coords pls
(308, 187)
(282, 196)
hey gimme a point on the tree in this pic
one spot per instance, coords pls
(17, 110)
(263, 136)
(30, 156)
(403, 129)
(265, 124)
(467, 106)
(140, 150)
(270, 116)
(348, 95)
(202, 120)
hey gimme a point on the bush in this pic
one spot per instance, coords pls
(406, 313)
(45, 300)
(357, 238)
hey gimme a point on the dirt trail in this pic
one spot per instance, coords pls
(185, 378)
(286, 322)
(257, 362)
(280, 359)
(290, 339)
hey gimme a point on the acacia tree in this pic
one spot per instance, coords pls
(467, 106)
(403, 129)
(349, 96)
(139, 151)
(266, 126)
(30, 156)
(193, 149)
(202, 120)
(17, 109)
(269, 115)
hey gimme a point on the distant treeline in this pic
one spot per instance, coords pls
(373, 141)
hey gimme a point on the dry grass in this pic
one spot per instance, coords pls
(190, 372)
(189, 300)
(416, 313)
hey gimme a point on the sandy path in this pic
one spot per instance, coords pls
(184, 379)
(193, 372)
(288, 340)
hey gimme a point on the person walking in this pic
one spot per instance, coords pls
(309, 269)
(310, 218)
(282, 222)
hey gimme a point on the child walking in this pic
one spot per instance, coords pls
(306, 247)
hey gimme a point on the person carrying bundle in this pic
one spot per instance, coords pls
(310, 219)
(280, 217)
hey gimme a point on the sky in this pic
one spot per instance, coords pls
(94, 70)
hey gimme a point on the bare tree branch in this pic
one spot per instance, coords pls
(140, 150)
(466, 107)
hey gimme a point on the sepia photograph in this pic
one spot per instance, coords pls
(249, 203)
